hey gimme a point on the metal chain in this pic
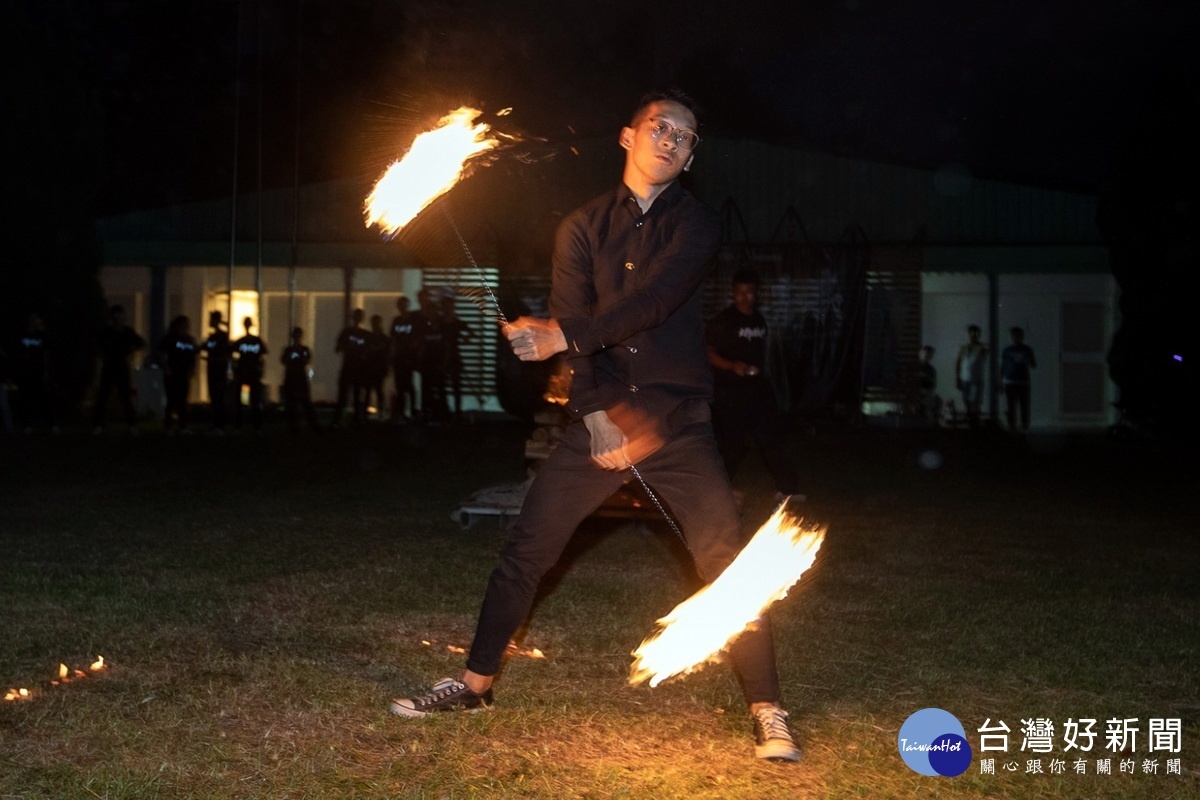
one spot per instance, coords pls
(654, 498)
(479, 272)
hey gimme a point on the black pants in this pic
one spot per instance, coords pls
(1016, 396)
(114, 377)
(748, 413)
(686, 473)
(176, 387)
(218, 389)
(297, 401)
(256, 402)
(433, 393)
(351, 390)
(405, 401)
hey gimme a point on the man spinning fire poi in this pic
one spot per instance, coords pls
(628, 269)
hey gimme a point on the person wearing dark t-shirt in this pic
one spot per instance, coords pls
(118, 343)
(178, 352)
(31, 374)
(744, 406)
(297, 393)
(405, 349)
(376, 359)
(250, 351)
(431, 364)
(217, 353)
(352, 346)
(455, 333)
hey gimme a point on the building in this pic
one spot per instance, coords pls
(862, 263)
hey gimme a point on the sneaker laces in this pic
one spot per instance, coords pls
(440, 690)
(773, 723)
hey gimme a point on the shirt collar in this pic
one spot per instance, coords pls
(666, 198)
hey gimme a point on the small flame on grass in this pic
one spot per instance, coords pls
(435, 162)
(699, 629)
(65, 675)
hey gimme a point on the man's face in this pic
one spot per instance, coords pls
(745, 297)
(658, 161)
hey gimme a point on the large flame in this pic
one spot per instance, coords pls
(436, 161)
(701, 627)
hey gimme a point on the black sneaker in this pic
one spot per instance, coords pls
(772, 739)
(447, 694)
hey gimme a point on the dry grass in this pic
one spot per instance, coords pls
(259, 600)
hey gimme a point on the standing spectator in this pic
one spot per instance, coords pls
(405, 351)
(248, 371)
(352, 345)
(929, 405)
(454, 333)
(218, 352)
(118, 343)
(432, 361)
(744, 406)
(971, 369)
(1016, 361)
(177, 354)
(376, 360)
(31, 374)
(297, 393)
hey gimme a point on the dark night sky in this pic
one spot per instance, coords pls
(142, 93)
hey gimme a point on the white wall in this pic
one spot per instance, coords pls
(1043, 305)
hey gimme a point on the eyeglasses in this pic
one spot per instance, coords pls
(684, 139)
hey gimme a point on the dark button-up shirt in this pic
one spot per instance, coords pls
(627, 293)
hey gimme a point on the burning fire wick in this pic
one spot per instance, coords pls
(65, 676)
(434, 164)
(699, 629)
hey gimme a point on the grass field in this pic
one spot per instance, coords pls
(258, 600)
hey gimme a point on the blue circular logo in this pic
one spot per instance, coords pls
(933, 742)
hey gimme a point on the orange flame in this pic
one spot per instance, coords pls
(17, 694)
(98, 664)
(434, 163)
(700, 628)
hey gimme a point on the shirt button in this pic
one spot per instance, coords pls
(637, 224)
(633, 388)
(628, 265)
(633, 350)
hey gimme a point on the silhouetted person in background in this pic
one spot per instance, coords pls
(31, 374)
(1016, 361)
(177, 354)
(454, 333)
(970, 369)
(218, 353)
(118, 343)
(405, 349)
(744, 406)
(375, 365)
(929, 405)
(432, 359)
(297, 392)
(251, 352)
(352, 346)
